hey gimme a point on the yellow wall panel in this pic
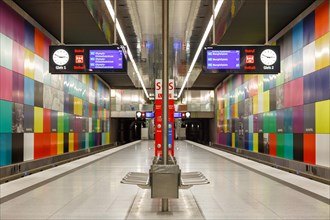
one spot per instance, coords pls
(226, 101)
(38, 120)
(255, 142)
(233, 140)
(107, 138)
(104, 114)
(260, 84)
(247, 77)
(95, 83)
(60, 143)
(322, 117)
(98, 129)
(71, 142)
(225, 126)
(78, 104)
(84, 78)
(29, 63)
(322, 53)
(255, 104)
(266, 101)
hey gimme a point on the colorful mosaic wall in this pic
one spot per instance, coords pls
(43, 114)
(288, 114)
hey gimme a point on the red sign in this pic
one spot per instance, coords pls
(158, 116)
(249, 59)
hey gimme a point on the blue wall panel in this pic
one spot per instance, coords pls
(5, 149)
(309, 28)
(297, 60)
(28, 91)
(29, 36)
(288, 120)
(309, 88)
(297, 36)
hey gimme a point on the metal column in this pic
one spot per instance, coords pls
(165, 90)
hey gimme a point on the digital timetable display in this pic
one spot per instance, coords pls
(87, 59)
(223, 59)
(242, 59)
(105, 59)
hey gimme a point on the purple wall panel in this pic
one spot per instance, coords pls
(298, 119)
(309, 28)
(18, 31)
(47, 42)
(18, 88)
(322, 82)
(6, 19)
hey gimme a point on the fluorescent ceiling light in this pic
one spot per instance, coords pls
(207, 31)
(123, 39)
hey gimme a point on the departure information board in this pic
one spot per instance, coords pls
(223, 59)
(242, 59)
(87, 59)
(106, 59)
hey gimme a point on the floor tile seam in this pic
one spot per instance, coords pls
(283, 181)
(44, 181)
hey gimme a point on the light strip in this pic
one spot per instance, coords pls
(206, 33)
(123, 39)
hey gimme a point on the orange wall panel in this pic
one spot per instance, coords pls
(322, 19)
(38, 42)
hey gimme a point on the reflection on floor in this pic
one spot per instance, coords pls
(95, 192)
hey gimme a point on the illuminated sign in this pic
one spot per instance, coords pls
(87, 59)
(241, 59)
(177, 115)
(150, 114)
(223, 59)
(181, 114)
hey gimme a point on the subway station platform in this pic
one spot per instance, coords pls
(90, 188)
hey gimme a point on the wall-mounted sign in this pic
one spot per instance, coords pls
(182, 114)
(87, 59)
(242, 59)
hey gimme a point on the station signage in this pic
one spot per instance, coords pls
(242, 59)
(74, 59)
(142, 115)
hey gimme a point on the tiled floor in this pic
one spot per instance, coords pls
(95, 192)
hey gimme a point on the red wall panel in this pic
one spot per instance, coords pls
(76, 142)
(47, 120)
(272, 144)
(41, 145)
(309, 148)
(53, 144)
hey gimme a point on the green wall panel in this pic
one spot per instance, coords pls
(6, 116)
(280, 145)
(288, 146)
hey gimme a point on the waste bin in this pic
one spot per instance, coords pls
(164, 181)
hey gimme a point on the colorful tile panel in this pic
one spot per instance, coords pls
(42, 114)
(290, 111)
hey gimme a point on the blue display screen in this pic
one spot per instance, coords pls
(150, 114)
(177, 114)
